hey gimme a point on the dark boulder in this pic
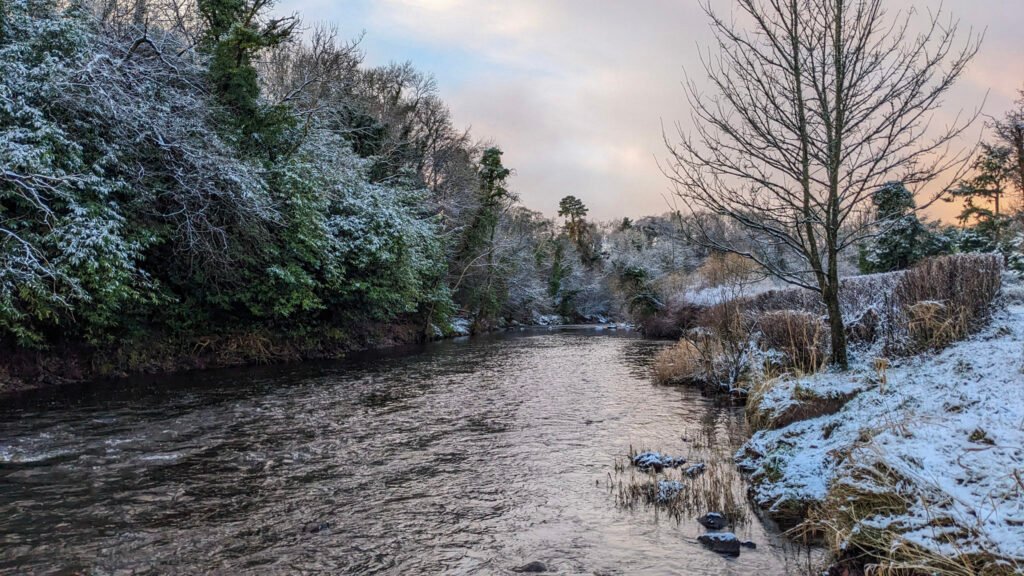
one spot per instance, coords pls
(725, 543)
(694, 470)
(315, 527)
(713, 521)
(534, 567)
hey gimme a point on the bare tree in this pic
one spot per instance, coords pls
(816, 104)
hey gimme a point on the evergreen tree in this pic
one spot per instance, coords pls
(235, 33)
(574, 211)
(483, 291)
(583, 235)
(983, 193)
(902, 239)
(1009, 132)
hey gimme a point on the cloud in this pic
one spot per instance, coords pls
(576, 91)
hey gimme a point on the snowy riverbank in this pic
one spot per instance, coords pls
(920, 462)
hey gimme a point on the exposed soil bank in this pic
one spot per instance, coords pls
(22, 369)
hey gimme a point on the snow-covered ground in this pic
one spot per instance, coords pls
(709, 296)
(945, 433)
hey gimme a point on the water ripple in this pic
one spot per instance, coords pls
(467, 457)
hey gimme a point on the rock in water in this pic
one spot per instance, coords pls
(722, 542)
(749, 544)
(668, 490)
(694, 470)
(656, 461)
(315, 527)
(534, 567)
(713, 521)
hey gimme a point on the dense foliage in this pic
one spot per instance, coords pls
(149, 187)
(184, 173)
(902, 239)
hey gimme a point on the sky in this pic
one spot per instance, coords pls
(576, 92)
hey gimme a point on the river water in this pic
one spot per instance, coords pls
(461, 457)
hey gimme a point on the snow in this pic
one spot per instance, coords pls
(657, 460)
(546, 319)
(720, 537)
(461, 326)
(709, 296)
(668, 489)
(949, 428)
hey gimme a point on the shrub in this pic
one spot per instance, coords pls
(942, 300)
(801, 337)
(701, 359)
(679, 364)
(672, 321)
(731, 320)
(725, 342)
(728, 269)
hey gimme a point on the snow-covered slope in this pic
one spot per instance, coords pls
(945, 434)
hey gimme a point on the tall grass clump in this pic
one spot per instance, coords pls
(855, 522)
(942, 300)
(680, 363)
(715, 355)
(800, 337)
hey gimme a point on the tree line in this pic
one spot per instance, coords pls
(181, 176)
(200, 176)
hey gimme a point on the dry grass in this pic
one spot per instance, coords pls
(757, 418)
(933, 325)
(848, 523)
(728, 269)
(680, 363)
(801, 337)
(715, 355)
(942, 300)
(715, 489)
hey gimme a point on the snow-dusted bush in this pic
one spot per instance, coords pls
(66, 249)
(131, 203)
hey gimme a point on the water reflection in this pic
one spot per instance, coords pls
(466, 457)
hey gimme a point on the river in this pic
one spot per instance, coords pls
(472, 456)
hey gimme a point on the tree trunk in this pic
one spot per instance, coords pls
(1018, 143)
(836, 326)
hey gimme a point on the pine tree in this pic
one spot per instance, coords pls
(574, 211)
(984, 193)
(902, 239)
